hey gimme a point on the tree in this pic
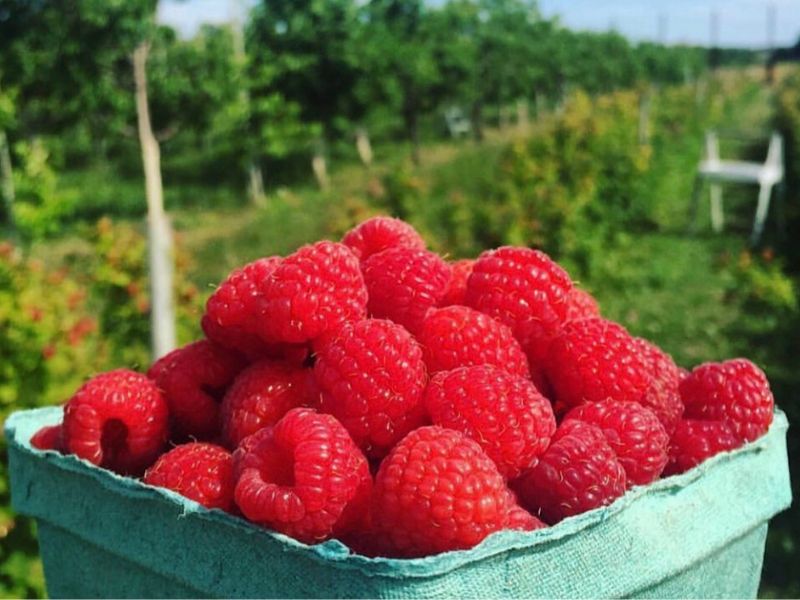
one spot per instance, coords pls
(309, 47)
(67, 60)
(401, 61)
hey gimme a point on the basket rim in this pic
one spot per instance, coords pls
(20, 425)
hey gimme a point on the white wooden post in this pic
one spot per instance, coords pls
(715, 191)
(320, 166)
(717, 215)
(363, 146)
(159, 231)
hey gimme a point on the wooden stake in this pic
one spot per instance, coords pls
(159, 240)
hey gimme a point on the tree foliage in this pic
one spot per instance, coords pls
(307, 70)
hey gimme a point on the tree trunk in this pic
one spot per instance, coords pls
(503, 118)
(255, 177)
(363, 146)
(412, 131)
(540, 104)
(255, 186)
(644, 117)
(477, 120)
(320, 166)
(523, 116)
(162, 313)
(6, 179)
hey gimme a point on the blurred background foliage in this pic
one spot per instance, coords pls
(582, 144)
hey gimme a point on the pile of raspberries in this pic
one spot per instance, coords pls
(372, 392)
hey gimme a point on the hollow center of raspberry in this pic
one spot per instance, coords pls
(114, 438)
(278, 468)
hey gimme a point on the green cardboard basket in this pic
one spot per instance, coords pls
(700, 534)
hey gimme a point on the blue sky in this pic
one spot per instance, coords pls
(740, 22)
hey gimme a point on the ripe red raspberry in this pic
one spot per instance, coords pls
(313, 291)
(581, 305)
(305, 478)
(235, 309)
(504, 413)
(379, 233)
(48, 438)
(662, 396)
(457, 288)
(246, 446)
(578, 472)
(194, 379)
(371, 377)
(520, 519)
(118, 420)
(735, 391)
(593, 360)
(635, 435)
(404, 284)
(260, 395)
(523, 289)
(437, 491)
(201, 472)
(458, 336)
(695, 441)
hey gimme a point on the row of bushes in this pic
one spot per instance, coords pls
(582, 175)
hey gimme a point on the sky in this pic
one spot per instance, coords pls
(741, 23)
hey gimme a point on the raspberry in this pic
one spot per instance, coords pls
(662, 395)
(581, 305)
(379, 233)
(635, 435)
(520, 519)
(735, 391)
(523, 289)
(404, 284)
(578, 472)
(458, 336)
(371, 377)
(437, 491)
(260, 395)
(252, 347)
(305, 478)
(201, 472)
(118, 420)
(312, 291)
(194, 379)
(457, 288)
(246, 446)
(504, 413)
(695, 441)
(235, 309)
(48, 438)
(593, 360)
